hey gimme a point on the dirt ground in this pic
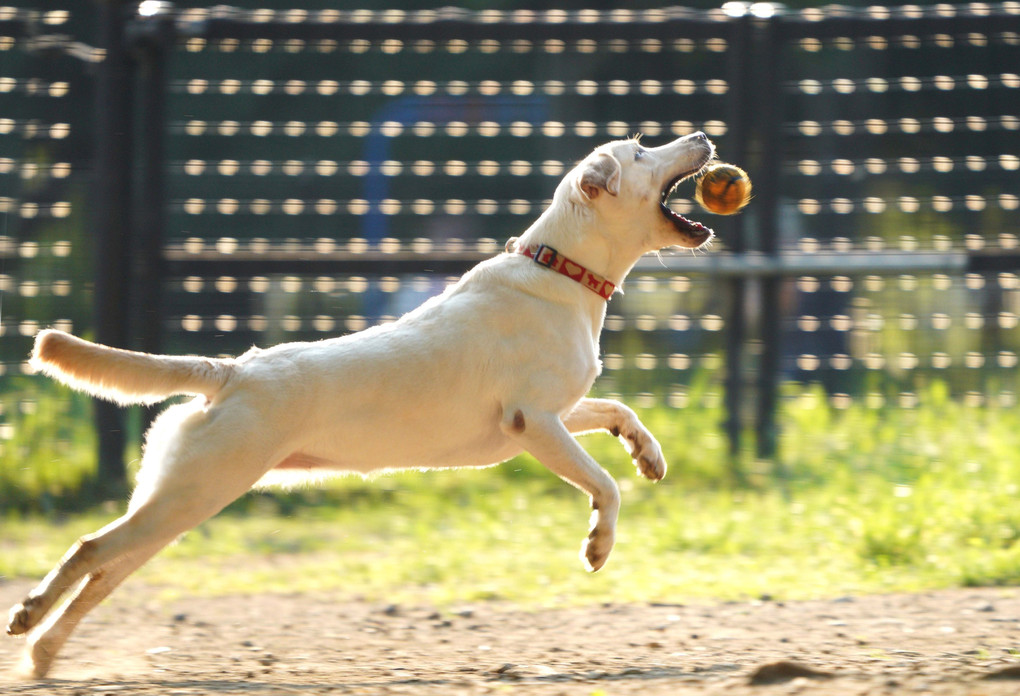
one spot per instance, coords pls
(949, 642)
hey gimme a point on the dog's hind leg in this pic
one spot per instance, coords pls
(108, 557)
(85, 555)
(47, 638)
(605, 414)
(546, 437)
(195, 465)
(154, 523)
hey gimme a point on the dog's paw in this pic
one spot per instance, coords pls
(595, 550)
(21, 618)
(36, 661)
(651, 466)
(647, 454)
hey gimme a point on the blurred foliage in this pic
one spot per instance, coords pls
(47, 450)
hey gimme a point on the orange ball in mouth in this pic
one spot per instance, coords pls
(723, 189)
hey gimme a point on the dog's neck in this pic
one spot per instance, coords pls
(598, 252)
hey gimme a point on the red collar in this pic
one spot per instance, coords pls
(553, 260)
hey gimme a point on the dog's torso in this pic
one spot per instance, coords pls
(431, 389)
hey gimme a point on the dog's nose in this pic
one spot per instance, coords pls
(698, 135)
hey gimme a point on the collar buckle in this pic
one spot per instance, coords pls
(545, 256)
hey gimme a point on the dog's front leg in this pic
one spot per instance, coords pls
(546, 438)
(590, 415)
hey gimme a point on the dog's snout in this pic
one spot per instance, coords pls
(697, 139)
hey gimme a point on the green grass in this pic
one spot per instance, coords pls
(867, 500)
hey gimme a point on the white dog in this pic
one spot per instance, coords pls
(498, 364)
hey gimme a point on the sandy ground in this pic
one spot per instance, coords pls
(950, 642)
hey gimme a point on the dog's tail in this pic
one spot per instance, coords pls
(125, 376)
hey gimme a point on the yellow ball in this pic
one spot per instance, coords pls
(723, 189)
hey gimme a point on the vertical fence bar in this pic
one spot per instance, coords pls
(739, 78)
(111, 224)
(770, 139)
(151, 36)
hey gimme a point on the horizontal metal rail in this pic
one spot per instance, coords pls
(466, 29)
(464, 25)
(747, 265)
(954, 21)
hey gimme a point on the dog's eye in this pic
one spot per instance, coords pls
(639, 153)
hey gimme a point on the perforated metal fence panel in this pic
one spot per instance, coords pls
(901, 141)
(45, 249)
(44, 163)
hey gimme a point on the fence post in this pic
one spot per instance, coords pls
(151, 36)
(739, 78)
(770, 138)
(111, 224)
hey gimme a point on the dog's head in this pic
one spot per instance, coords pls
(629, 185)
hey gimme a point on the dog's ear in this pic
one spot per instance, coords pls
(600, 174)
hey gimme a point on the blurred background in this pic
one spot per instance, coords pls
(200, 179)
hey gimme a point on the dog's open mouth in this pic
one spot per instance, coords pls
(686, 227)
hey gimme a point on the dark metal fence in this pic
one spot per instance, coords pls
(264, 176)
